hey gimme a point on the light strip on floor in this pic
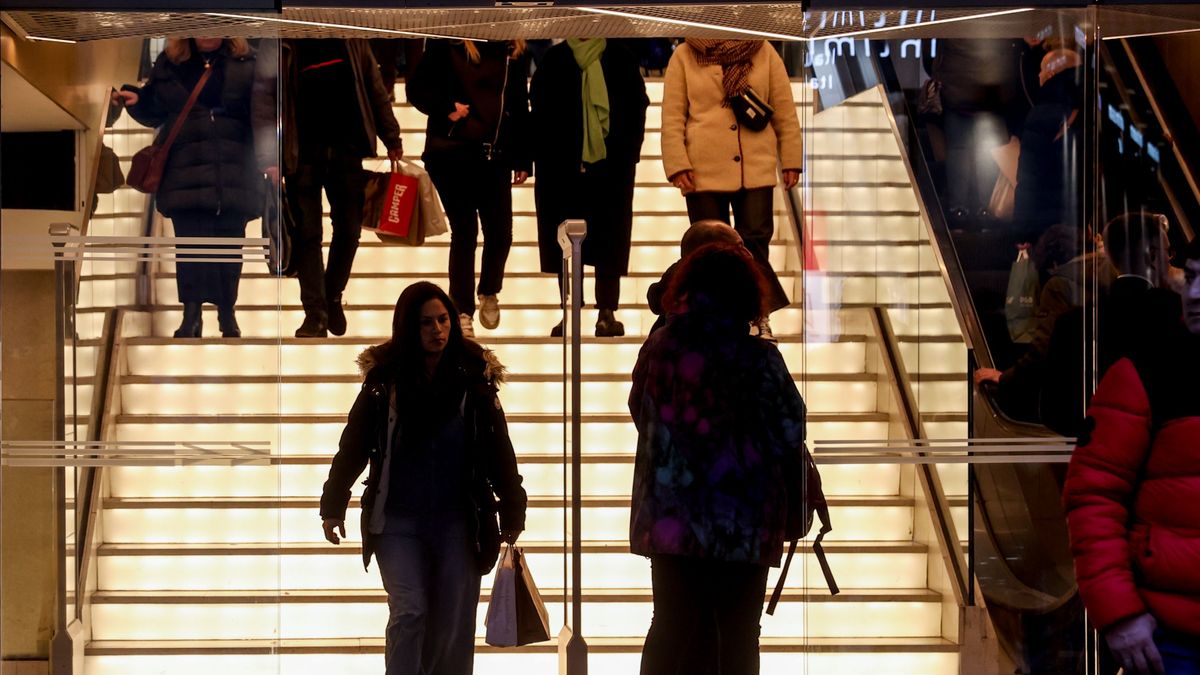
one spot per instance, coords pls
(323, 24)
(692, 24)
(934, 22)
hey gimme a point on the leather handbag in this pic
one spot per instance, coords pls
(146, 169)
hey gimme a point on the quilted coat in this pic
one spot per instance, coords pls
(1133, 489)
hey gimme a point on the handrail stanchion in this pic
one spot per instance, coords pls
(572, 647)
(62, 641)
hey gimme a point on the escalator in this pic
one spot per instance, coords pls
(1124, 148)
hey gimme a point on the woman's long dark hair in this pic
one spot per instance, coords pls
(402, 356)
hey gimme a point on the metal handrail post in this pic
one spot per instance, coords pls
(572, 645)
(61, 647)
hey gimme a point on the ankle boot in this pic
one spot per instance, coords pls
(314, 326)
(608, 326)
(228, 322)
(193, 321)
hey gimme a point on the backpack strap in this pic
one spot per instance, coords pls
(818, 549)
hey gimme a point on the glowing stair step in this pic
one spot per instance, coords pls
(611, 613)
(606, 564)
(304, 475)
(604, 356)
(204, 520)
(299, 395)
(929, 656)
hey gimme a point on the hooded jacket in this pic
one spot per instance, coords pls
(495, 484)
(1133, 485)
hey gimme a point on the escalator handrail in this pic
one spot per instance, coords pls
(1165, 127)
(919, 173)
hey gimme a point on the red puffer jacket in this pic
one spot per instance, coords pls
(1132, 492)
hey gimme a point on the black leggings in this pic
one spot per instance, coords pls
(706, 617)
(754, 219)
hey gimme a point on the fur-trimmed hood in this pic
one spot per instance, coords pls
(476, 359)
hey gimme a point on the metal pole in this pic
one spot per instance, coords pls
(573, 655)
(61, 649)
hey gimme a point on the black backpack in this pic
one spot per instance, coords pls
(805, 499)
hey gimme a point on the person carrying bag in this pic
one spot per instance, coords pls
(146, 168)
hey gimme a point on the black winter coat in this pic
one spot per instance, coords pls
(496, 91)
(556, 104)
(603, 197)
(211, 167)
(364, 443)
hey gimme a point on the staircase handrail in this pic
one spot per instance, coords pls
(101, 429)
(957, 568)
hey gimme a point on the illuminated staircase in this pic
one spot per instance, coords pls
(223, 568)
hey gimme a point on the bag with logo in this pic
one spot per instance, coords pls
(1020, 303)
(390, 207)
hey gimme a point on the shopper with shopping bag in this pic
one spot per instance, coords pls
(402, 206)
(429, 425)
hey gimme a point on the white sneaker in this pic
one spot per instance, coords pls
(489, 311)
(467, 324)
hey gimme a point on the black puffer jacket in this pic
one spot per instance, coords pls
(496, 89)
(211, 166)
(492, 460)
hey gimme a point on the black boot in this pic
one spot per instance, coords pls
(228, 322)
(608, 326)
(193, 321)
(337, 316)
(314, 326)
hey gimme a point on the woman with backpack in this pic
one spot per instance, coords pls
(719, 422)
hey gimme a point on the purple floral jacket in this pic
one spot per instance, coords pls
(715, 410)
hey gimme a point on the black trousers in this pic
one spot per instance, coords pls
(754, 220)
(706, 617)
(215, 282)
(342, 178)
(608, 290)
(474, 191)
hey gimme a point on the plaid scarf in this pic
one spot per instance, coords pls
(733, 56)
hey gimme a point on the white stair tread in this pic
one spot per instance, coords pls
(595, 645)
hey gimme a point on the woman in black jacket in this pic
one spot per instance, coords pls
(476, 148)
(210, 187)
(588, 102)
(430, 426)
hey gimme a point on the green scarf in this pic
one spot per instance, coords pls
(595, 96)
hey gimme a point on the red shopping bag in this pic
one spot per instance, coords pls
(390, 206)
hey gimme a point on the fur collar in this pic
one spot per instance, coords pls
(476, 359)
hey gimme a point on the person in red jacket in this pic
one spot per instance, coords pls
(1131, 496)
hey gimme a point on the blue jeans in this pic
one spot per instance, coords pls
(429, 572)
(1180, 652)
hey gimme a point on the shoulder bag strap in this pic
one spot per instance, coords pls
(819, 550)
(187, 108)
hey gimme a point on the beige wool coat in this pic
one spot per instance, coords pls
(701, 135)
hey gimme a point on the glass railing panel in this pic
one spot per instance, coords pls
(178, 506)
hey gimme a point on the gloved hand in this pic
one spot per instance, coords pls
(1132, 643)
